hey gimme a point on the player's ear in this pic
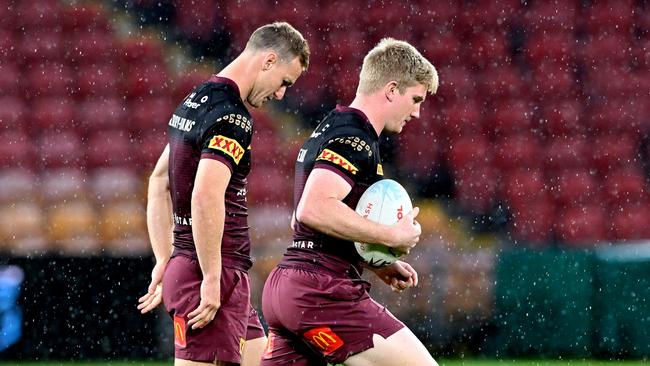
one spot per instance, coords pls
(270, 59)
(390, 89)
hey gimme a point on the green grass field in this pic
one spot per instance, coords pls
(442, 363)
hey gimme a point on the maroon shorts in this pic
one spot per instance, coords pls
(223, 338)
(317, 317)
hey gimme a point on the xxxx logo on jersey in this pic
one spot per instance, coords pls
(227, 145)
(337, 159)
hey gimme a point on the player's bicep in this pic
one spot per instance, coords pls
(212, 177)
(325, 183)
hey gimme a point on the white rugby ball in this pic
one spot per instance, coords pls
(385, 202)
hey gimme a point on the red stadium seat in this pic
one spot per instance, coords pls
(269, 185)
(86, 18)
(520, 187)
(614, 49)
(13, 113)
(488, 48)
(456, 83)
(152, 113)
(468, 152)
(567, 153)
(140, 52)
(8, 42)
(612, 17)
(612, 152)
(41, 46)
(563, 118)
(103, 113)
(9, 79)
(552, 16)
(49, 80)
(625, 186)
(630, 222)
(510, 116)
(17, 150)
(462, 119)
(582, 225)
(532, 221)
(480, 16)
(59, 150)
(554, 82)
(91, 48)
(519, 151)
(501, 82)
(418, 153)
(97, 80)
(40, 14)
(144, 82)
(53, 113)
(444, 49)
(186, 82)
(476, 188)
(110, 149)
(574, 186)
(611, 81)
(551, 47)
(151, 146)
(617, 116)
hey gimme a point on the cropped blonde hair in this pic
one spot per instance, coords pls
(282, 38)
(393, 60)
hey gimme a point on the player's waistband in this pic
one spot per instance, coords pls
(311, 260)
(228, 260)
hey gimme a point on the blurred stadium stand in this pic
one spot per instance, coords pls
(539, 135)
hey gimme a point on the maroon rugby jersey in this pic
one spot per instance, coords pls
(345, 143)
(211, 123)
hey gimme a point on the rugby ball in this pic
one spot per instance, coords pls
(385, 202)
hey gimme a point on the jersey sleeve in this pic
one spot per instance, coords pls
(227, 138)
(348, 156)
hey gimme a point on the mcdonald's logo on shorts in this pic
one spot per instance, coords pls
(324, 339)
(180, 339)
(228, 146)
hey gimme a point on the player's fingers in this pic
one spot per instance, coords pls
(194, 315)
(155, 301)
(414, 277)
(144, 297)
(152, 286)
(414, 212)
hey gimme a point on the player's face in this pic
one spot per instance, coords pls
(273, 82)
(406, 106)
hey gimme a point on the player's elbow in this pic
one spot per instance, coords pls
(306, 213)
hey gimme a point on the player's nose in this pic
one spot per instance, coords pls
(416, 112)
(279, 94)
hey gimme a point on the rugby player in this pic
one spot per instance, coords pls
(315, 301)
(199, 185)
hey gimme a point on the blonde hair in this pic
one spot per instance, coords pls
(282, 38)
(393, 60)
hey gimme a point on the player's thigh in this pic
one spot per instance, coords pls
(253, 351)
(401, 348)
(180, 362)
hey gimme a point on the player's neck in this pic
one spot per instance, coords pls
(371, 109)
(239, 71)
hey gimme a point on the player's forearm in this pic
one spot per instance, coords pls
(208, 217)
(333, 217)
(159, 218)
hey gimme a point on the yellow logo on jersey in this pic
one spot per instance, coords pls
(227, 145)
(337, 159)
(380, 169)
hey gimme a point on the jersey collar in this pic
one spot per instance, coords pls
(359, 113)
(223, 80)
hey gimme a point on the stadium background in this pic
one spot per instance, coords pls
(530, 165)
